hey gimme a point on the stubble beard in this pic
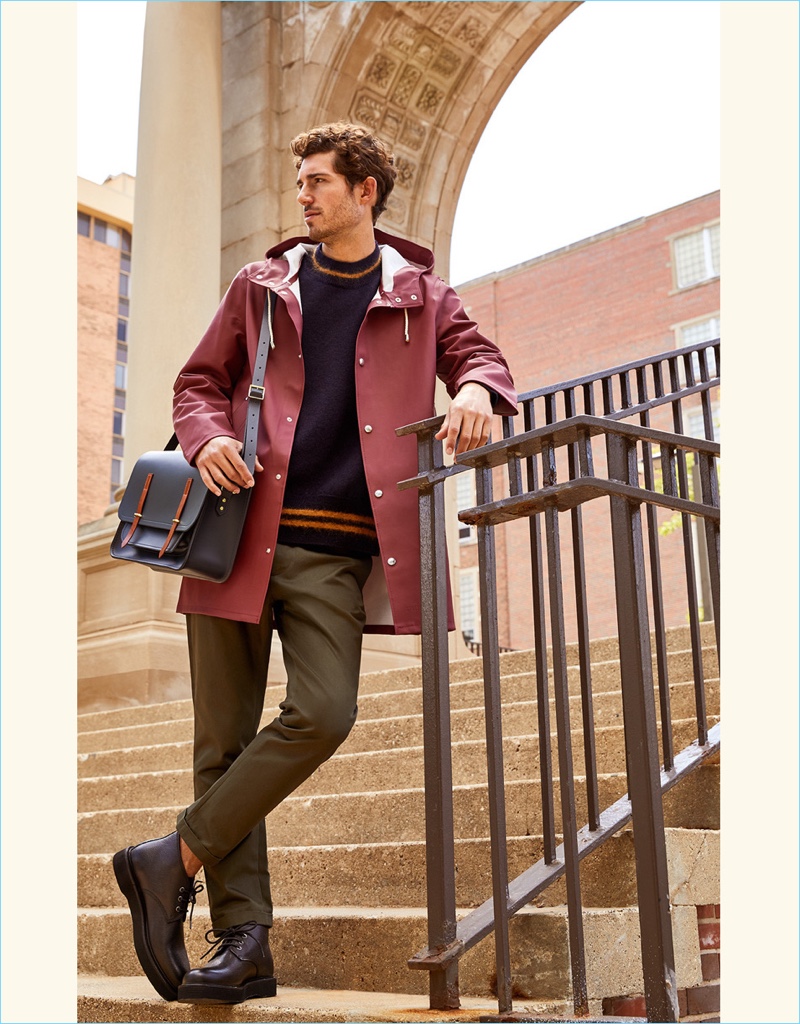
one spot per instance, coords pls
(340, 219)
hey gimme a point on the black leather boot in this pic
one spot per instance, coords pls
(241, 968)
(159, 892)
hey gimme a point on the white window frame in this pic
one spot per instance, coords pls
(465, 498)
(469, 577)
(711, 274)
(713, 332)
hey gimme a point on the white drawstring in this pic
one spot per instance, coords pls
(269, 318)
(405, 314)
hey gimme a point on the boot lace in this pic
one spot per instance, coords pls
(227, 938)
(187, 897)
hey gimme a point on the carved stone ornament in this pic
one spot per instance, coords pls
(368, 110)
(405, 87)
(381, 70)
(447, 63)
(403, 37)
(392, 123)
(471, 32)
(430, 98)
(405, 172)
(447, 17)
(413, 134)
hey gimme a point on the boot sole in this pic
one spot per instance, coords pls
(126, 880)
(260, 988)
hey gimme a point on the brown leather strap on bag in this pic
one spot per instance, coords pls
(177, 518)
(137, 515)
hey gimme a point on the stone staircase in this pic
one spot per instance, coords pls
(347, 855)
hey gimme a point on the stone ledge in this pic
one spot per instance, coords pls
(132, 999)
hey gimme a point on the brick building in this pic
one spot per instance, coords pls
(105, 223)
(637, 290)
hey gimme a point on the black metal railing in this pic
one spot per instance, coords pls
(572, 458)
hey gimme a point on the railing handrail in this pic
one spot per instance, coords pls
(615, 371)
(628, 497)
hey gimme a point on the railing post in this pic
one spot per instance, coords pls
(641, 739)
(577, 945)
(439, 832)
(494, 744)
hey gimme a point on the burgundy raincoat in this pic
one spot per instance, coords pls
(415, 328)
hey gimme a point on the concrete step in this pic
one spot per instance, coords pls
(402, 725)
(371, 771)
(367, 949)
(409, 678)
(393, 874)
(398, 815)
(370, 817)
(520, 717)
(102, 998)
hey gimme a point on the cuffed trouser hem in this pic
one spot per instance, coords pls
(232, 916)
(194, 844)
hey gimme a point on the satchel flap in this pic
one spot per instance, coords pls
(170, 473)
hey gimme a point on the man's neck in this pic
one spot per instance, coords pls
(351, 248)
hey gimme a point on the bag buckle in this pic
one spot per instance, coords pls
(257, 392)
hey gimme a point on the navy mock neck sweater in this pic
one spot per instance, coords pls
(326, 502)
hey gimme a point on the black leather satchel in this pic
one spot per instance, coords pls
(169, 520)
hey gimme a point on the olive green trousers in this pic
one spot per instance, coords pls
(315, 602)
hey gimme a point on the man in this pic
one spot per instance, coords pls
(361, 327)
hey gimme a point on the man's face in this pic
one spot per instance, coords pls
(330, 207)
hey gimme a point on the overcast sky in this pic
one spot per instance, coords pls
(615, 116)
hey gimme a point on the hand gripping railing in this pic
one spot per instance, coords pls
(629, 455)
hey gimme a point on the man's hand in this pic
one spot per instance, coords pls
(469, 419)
(221, 465)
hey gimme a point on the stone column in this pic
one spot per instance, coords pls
(131, 643)
(176, 232)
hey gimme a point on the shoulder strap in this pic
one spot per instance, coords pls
(255, 395)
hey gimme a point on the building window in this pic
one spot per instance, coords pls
(701, 330)
(470, 612)
(696, 424)
(465, 498)
(109, 234)
(123, 239)
(694, 334)
(696, 256)
(116, 476)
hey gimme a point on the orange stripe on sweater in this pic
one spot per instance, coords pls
(313, 513)
(328, 527)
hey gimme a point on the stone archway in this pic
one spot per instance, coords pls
(225, 87)
(425, 76)
(428, 79)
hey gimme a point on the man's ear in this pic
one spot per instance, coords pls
(368, 191)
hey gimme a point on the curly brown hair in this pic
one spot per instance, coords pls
(358, 155)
